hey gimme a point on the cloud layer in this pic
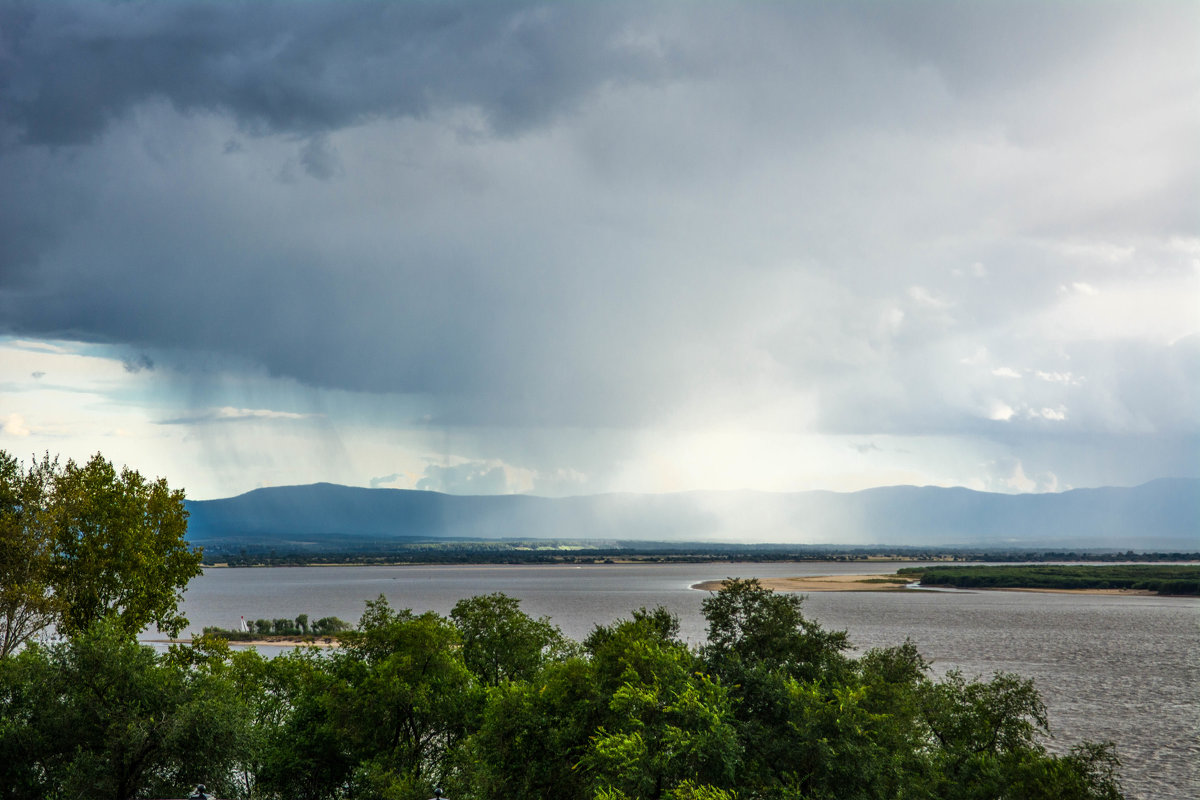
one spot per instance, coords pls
(919, 220)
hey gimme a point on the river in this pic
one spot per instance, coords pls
(1119, 668)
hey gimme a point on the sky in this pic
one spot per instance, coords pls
(572, 248)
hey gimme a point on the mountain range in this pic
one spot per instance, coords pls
(1160, 515)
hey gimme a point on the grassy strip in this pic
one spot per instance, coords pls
(1172, 579)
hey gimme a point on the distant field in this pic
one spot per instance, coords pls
(1173, 579)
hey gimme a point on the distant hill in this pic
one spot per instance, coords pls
(1161, 515)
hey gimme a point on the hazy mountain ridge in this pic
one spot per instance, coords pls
(1161, 514)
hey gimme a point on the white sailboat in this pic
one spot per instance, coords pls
(245, 628)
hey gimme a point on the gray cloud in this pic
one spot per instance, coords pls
(229, 414)
(74, 67)
(469, 478)
(135, 364)
(612, 215)
(383, 480)
(319, 160)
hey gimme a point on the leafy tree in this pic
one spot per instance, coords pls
(81, 543)
(501, 643)
(612, 646)
(382, 716)
(667, 725)
(297, 750)
(121, 548)
(762, 646)
(24, 678)
(101, 716)
(891, 681)
(327, 626)
(971, 720)
(1087, 772)
(751, 626)
(986, 734)
(305, 757)
(411, 694)
(27, 601)
(533, 733)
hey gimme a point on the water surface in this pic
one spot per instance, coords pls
(1119, 668)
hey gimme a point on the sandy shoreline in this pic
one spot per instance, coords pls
(823, 583)
(281, 642)
(887, 583)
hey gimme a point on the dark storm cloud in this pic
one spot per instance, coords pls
(69, 69)
(136, 364)
(588, 214)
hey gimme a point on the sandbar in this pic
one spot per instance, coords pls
(823, 583)
(891, 582)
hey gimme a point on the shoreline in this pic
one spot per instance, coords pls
(890, 583)
(608, 561)
(286, 641)
(886, 582)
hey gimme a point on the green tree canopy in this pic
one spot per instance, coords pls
(502, 643)
(487, 703)
(751, 626)
(121, 548)
(101, 716)
(27, 601)
(87, 542)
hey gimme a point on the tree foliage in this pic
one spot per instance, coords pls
(27, 600)
(486, 703)
(81, 543)
(501, 643)
(100, 716)
(1173, 579)
(121, 548)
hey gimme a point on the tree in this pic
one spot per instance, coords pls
(763, 648)
(751, 626)
(502, 643)
(533, 733)
(667, 724)
(101, 716)
(327, 626)
(78, 544)
(382, 716)
(119, 549)
(27, 600)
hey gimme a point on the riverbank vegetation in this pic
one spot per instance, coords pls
(491, 703)
(486, 703)
(85, 542)
(1171, 579)
(266, 629)
(245, 552)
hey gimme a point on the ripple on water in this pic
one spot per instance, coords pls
(1125, 669)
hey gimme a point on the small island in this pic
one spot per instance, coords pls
(282, 631)
(1149, 579)
(1160, 579)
